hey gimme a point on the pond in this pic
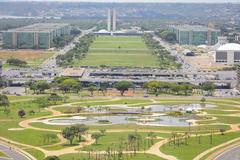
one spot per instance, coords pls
(156, 116)
(149, 109)
(157, 120)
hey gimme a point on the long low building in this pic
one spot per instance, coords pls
(38, 35)
(228, 54)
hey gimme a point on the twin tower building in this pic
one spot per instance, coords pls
(111, 20)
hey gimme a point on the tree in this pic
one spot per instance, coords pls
(42, 102)
(40, 86)
(123, 86)
(91, 89)
(103, 88)
(166, 34)
(16, 62)
(55, 98)
(31, 112)
(175, 88)
(203, 100)
(208, 87)
(187, 88)
(96, 136)
(52, 158)
(48, 137)
(68, 84)
(102, 131)
(1, 82)
(222, 131)
(153, 86)
(80, 129)
(21, 113)
(69, 133)
(4, 102)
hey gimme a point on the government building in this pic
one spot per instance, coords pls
(195, 34)
(35, 36)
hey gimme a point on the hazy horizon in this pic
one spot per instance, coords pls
(133, 1)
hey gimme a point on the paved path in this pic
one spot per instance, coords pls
(75, 149)
(232, 154)
(12, 153)
(155, 150)
(200, 156)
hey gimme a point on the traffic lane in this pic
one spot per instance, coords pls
(232, 154)
(12, 153)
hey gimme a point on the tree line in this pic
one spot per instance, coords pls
(16, 62)
(78, 52)
(72, 85)
(126, 148)
(165, 59)
(167, 35)
(186, 89)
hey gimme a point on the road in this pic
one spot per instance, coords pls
(232, 154)
(13, 154)
(51, 62)
(179, 57)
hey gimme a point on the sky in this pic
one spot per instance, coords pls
(172, 1)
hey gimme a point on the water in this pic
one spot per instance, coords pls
(156, 117)
(148, 109)
(160, 120)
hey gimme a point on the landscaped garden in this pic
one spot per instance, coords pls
(24, 122)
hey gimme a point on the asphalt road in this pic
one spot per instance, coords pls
(232, 154)
(13, 154)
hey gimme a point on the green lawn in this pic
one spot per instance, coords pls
(2, 154)
(144, 128)
(26, 106)
(113, 140)
(36, 138)
(223, 119)
(216, 111)
(133, 157)
(193, 148)
(119, 51)
(27, 136)
(36, 153)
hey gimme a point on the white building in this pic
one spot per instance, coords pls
(228, 53)
(111, 20)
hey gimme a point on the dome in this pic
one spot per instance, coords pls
(103, 31)
(229, 47)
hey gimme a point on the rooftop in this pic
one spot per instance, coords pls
(39, 27)
(73, 72)
(194, 28)
(229, 47)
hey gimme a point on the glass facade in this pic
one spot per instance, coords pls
(7, 40)
(25, 40)
(214, 36)
(195, 35)
(43, 40)
(183, 37)
(199, 38)
(36, 36)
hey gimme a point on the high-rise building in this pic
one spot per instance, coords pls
(112, 20)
